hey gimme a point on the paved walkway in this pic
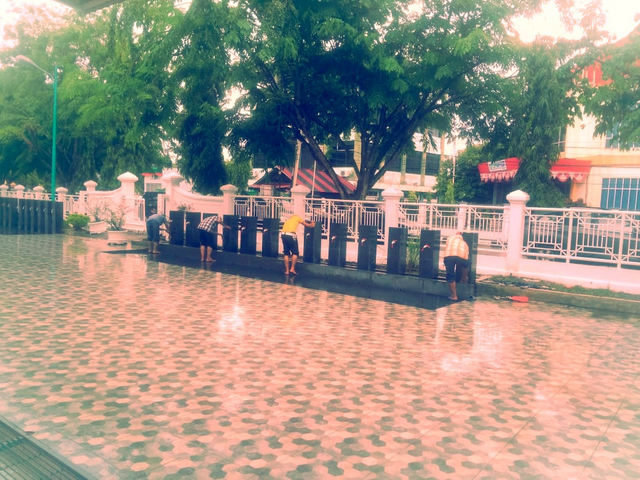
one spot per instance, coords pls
(134, 368)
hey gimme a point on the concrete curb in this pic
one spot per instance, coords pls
(591, 302)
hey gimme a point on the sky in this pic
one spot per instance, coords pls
(620, 18)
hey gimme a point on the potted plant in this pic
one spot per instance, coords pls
(116, 216)
(96, 209)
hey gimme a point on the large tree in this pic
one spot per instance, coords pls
(201, 74)
(314, 71)
(615, 103)
(114, 98)
(540, 101)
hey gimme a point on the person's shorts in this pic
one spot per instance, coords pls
(153, 231)
(290, 244)
(206, 238)
(454, 266)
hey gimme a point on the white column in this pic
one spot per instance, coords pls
(128, 184)
(19, 191)
(38, 192)
(61, 194)
(422, 214)
(170, 182)
(228, 199)
(90, 186)
(85, 196)
(461, 217)
(391, 197)
(517, 204)
(3, 190)
(298, 195)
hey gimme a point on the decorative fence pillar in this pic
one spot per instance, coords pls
(298, 194)
(462, 217)
(90, 185)
(19, 191)
(169, 182)
(3, 190)
(128, 190)
(128, 184)
(391, 198)
(84, 196)
(38, 192)
(228, 198)
(517, 204)
(61, 194)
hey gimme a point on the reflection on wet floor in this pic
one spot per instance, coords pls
(131, 367)
(303, 281)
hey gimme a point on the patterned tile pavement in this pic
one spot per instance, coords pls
(134, 368)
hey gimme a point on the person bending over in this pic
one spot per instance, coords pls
(456, 262)
(290, 242)
(155, 222)
(208, 229)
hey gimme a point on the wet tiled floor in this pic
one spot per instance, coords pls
(134, 368)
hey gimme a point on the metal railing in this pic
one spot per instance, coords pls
(263, 207)
(352, 212)
(582, 236)
(489, 222)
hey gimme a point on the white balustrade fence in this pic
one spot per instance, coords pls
(263, 207)
(514, 232)
(582, 235)
(352, 212)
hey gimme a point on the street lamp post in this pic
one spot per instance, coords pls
(54, 132)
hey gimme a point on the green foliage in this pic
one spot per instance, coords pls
(113, 100)
(412, 197)
(202, 71)
(413, 252)
(542, 100)
(615, 104)
(313, 71)
(77, 221)
(239, 174)
(468, 187)
(444, 183)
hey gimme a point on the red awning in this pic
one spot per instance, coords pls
(570, 168)
(500, 170)
(562, 170)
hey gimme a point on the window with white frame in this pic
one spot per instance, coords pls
(620, 194)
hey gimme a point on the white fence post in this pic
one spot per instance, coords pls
(128, 184)
(169, 182)
(462, 217)
(391, 198)
(38, 192)
(228, 198)
(517, 203)
(3, 190)
(128, 191)
(61, 193)
(83, 196)
(298, 194)
(19, 191)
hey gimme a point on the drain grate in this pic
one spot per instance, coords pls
(21, 458)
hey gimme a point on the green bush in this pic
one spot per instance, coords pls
(77, 221)
(413, 252)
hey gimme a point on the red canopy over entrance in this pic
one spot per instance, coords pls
(563, 169)
(570, 168)
(500, 170)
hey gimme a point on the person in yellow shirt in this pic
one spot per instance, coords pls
(456, 262)
(290, 242)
